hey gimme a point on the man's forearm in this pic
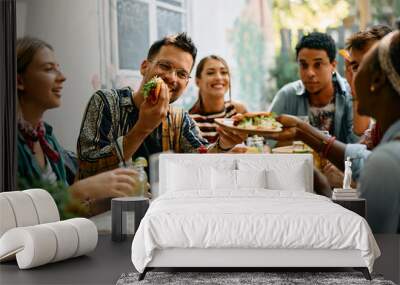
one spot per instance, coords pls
(133, 140)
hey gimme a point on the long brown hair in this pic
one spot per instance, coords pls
(200, 66)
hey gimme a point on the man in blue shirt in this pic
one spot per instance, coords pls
(321, 94)
(377, 85)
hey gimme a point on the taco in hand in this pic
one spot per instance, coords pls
(152, 89)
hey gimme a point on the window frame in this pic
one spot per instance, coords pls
(8, 97)
(108, 33)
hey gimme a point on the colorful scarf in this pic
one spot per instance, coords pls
(32, 135)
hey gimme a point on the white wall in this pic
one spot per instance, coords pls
(71, 27)
(22, 7)
(212, 21)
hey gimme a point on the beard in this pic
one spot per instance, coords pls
(174, 96)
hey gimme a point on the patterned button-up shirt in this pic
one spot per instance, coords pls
(109, 116)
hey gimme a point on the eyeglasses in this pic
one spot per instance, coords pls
(167, 67)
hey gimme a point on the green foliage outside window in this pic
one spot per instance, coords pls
(285, 71)
(249, 49)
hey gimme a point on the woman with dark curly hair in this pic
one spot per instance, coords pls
(377, 85)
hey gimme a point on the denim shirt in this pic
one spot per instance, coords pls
(359, 153)
(292, 99)
(379, 183)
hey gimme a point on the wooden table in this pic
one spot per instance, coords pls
(357, 205)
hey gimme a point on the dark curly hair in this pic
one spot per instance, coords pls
(394, 56)
(317, 40)
(181, 40)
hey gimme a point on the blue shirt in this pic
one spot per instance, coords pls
(379, 183)
(292, 99)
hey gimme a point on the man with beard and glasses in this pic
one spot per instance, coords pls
(120, 124)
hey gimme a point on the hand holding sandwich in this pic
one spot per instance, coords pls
(155, 106)
(151, 112)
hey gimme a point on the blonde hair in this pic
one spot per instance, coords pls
(27, 47)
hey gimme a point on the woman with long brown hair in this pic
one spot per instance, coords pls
(213, 79)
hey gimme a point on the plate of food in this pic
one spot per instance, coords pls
(257, 123)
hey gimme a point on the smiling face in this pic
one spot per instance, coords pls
(315, 69)
(214, 79)
(173, 65)
(42, 81)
